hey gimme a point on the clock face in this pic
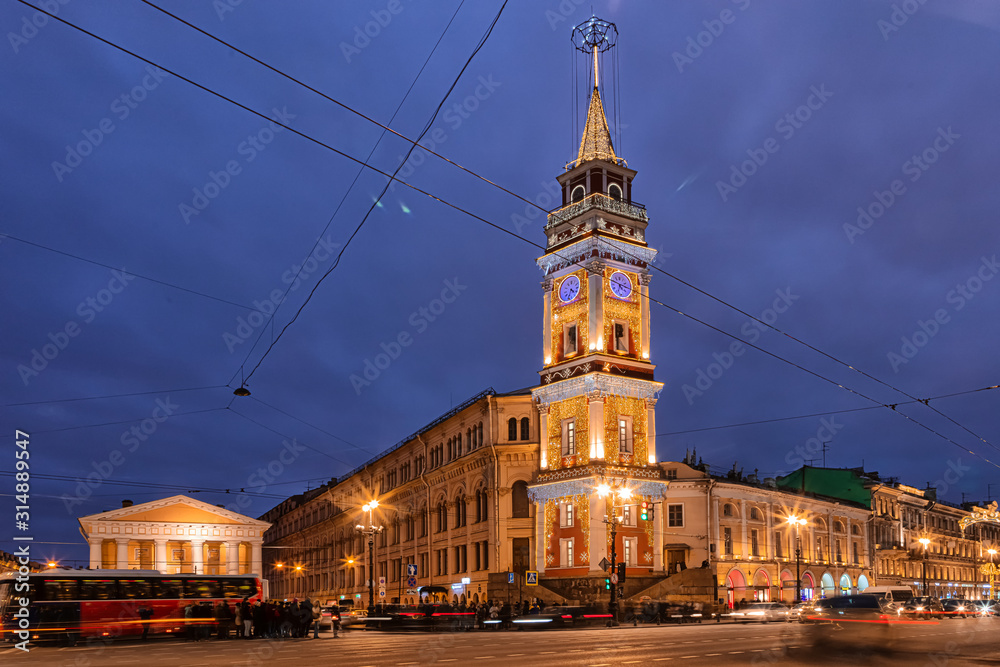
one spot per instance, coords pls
(621, 286)
(569, 289)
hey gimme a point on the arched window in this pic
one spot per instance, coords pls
(525, 428)
(838, 526)
(442, 516)
(479, 439)
(578, 193)
(727, 510)
(855, 530)
(615, 191)
(458, 445)
(754, 514)
(469, 440)
(519, 500)
(460, 510)
(512, 428)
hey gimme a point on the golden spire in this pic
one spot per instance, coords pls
(596, 141)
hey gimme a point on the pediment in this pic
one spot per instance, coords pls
(176, 509)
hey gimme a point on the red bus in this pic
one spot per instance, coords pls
(67, 605)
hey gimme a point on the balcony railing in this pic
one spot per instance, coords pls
(600, 201)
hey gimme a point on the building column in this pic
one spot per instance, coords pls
(597, 538)
(644, 316)
(595, 426)
(121, 554)
(540, 536)
(160, 554)
(197, 556)
(547, 321)
(595, 280)
(543, 435)
(95, 553)
(651, 430)
(232, 558)
(256, 566)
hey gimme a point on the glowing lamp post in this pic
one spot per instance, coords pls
(370, 532)
(924, 541)
(797, 521)
(611, 493)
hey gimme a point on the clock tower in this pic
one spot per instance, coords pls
(597, 394)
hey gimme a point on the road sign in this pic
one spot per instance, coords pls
(510, 577)
(381, 592)
(381, 582)
(412, 591)
(411, 582)
(531, 577)
(604, 564)
(614, 578)
(411, 569)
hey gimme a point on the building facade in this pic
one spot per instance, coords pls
(174, 535)
(452, 501)
(739, 529)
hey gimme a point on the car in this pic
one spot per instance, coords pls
(921, 607)
(563, 617)
(956, 608)
(982, 608)
(853, 623)
(761, 612)
(800, 611)
(353, 617)
(328, 615)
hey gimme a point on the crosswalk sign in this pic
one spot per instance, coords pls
(531, 578)
(510, 577)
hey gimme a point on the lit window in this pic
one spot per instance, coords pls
(569, 339)
(566, 553)
(629, 544)
(615, 191)
(628, 516)
(621, 336)
(567, 515)
(568, 437)
(625, 435)
(727, 541)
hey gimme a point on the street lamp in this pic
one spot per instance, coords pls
(622, 493)
(992, 553)
(797, 521)
(370, 532)
(924, 541)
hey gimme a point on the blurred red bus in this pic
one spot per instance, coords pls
(67, 605)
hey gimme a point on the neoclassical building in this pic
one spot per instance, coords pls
(452, 500)
(174, 535)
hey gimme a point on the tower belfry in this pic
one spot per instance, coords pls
(597, 394)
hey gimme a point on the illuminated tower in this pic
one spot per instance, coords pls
(597, 394)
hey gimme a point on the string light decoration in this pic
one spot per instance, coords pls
(576, 311)
(626, 310)
(581, 507)
(550, 521)
(571, 408)
(625, 406)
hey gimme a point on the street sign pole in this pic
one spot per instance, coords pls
(508, 589)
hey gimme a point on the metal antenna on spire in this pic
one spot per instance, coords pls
(595, 36)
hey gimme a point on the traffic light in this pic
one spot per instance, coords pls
(644, 515)
(621, 572)
(607, 583)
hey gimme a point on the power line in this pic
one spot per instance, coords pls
(125, 421)
(357, 176)
(149, 485)
(321, 430)
(821, 414)
(392, 177)
(115, 268)
(94, 398)
(288, 437)
(378, 199)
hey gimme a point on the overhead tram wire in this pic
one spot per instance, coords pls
(95, 398)
(125, 421)
(303, 421)
(346, 107)
(288, 437)
(481, 219)
(115, 268)
(378, 199)
(350, 188)
(822, 414)
(149, 485)
(616, 100)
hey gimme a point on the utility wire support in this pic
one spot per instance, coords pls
(496, 226)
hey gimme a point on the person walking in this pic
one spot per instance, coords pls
(317, 614)
(335, 620)
(145, 613)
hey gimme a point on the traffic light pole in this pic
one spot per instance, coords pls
(613, 602)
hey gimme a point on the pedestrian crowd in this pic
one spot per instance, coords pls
(252, 620)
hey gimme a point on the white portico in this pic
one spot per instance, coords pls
(174, 535)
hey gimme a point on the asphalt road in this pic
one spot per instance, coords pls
(952, 642)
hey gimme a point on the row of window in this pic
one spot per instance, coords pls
(571, 339)
(819, 553)
(567, 552)
(755, 514)
(445, 452)
(625, 437)
(630, 513)
(512, 429)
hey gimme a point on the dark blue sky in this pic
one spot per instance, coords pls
(831, 100)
